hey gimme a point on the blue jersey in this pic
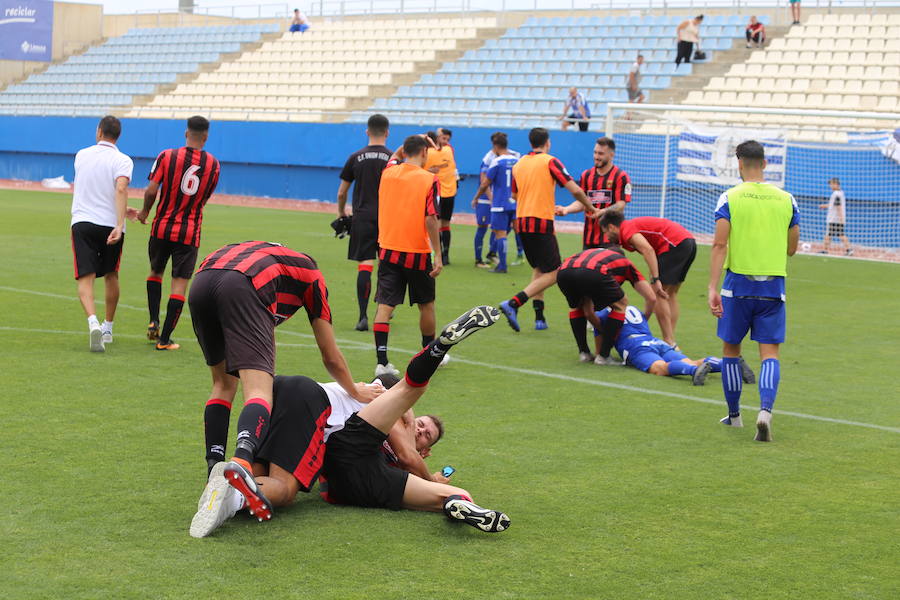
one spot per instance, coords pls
(485, 165)
(635, 331)
(500, 174)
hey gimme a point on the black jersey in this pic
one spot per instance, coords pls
(364, 167)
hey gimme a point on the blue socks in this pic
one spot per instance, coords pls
(769, 376)
(479, 242)
(519, 248)
(679, 367)
(716, 363)
(732, 384)
(501, 245)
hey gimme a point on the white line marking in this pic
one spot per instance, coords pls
(357, 345)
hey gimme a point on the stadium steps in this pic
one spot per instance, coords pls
(165, 88)
(44, 66)
(482, 35)
(721, 62)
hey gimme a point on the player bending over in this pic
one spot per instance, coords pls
(354, 466)
(640, 349)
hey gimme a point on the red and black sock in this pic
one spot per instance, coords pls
(381, 341)
(253, 424)
(518, 300)
(154, 297)
(363, 288)
(216, 416)
(579, 329)
(610, 331)
(173, 313)
(538, 310)
(425, 363)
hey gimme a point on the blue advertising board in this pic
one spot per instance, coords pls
(26, 30)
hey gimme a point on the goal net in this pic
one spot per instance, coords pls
(680, 160)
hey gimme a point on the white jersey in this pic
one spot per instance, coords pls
(342, 407)
(96, 170)
(837, 211)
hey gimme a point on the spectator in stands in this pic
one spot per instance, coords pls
(635, 93)
(688, 34)
(836, 217)
(576, 111)
(795, 11)
(299, 23)
(756, 33)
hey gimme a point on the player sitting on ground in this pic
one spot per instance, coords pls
(640, 349)
(356, 471)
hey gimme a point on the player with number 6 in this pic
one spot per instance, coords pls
(184, 179)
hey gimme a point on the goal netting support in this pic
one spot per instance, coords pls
(681, 158)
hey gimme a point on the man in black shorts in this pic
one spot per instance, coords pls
(99, 208)
(364, 167)
(591, 280)
(441, 161)
(407, 232)
(187, 177)
(240, 294)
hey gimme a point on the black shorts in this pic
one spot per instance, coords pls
(445, 209)
(184, 257)
(363, 239)
(835, 229)
(92, 253)
(576, 119)
(541, 250)
(578, 283)
(231, 322)
(296, 437)
(393, 280)
(356, 470)
(674, 264)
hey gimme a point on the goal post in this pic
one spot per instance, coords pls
(680, 159)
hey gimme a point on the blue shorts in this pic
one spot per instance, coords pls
(301, 27)
(502, 220)
(764, 318)
(643, 356)
(482, 213)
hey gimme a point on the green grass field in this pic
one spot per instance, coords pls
(619, 484)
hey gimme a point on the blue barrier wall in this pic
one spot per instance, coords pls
(299, 160)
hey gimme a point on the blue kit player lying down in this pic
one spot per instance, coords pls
(640, 349)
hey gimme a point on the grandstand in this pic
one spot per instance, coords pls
(113, 76)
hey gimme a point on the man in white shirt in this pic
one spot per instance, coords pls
(99, 206)
(836, 217)
(635, 93)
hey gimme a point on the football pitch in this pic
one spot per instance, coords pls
(618, 484)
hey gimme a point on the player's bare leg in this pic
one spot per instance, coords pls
(674, 307)
(664, 318)
(381, 328)
(452, 501)
(217, 413)
(86, 297)
(280, 486)
(846, 241)
(112, 295)
(427, 319)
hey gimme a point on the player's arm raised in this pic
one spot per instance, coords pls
(716, 261)
(641, 244)
(336, 364)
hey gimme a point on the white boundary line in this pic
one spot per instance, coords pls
(357, 345)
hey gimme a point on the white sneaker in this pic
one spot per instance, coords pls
(106, 336)
(732, 421)
(96, 339)
(216, 504)
(444, 361)
(387, 369)
(585, 357)
(609, 361)
(764, 426)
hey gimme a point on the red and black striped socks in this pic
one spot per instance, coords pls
(518, 300)
(579, 329)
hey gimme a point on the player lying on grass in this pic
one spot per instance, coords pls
(354, 464)
(639, 348)
(591, 280)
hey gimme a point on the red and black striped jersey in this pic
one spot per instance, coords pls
(603, 191)
(284, 279)
(606, 261)
(187, 178)
(534, 225)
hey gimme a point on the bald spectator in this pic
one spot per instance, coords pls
(576, 111)
(756, 33)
